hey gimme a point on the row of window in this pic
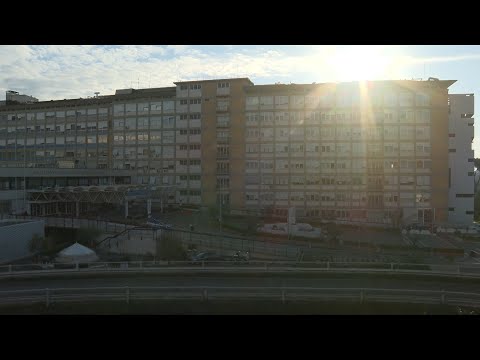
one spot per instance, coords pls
(340, 148)
(191, 101)
(346, 133)
(339, 164)
(190, 192)
(153, 122)
(420, 180)
(192, 87)
(53, 114)
(190, 177)
(300, 117)
(387, 198)
(102, 126)
(341, 99)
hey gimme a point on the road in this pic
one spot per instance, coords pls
(265, 281)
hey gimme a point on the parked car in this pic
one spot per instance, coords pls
(207, 256)
(158, 224)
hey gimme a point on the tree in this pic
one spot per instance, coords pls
(37, 243)
(476, 174)
(170, 247)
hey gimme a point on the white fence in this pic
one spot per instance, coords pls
(212, 293)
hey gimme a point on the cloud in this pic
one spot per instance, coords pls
(71, 71)
(415, 60)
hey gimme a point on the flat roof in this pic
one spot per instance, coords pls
(214, 80)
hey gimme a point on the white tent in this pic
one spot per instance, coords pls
(76, 254)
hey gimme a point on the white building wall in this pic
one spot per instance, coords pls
(15, 237)
(461, 197)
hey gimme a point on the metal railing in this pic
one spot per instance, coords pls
(211, 293)
(240, 266)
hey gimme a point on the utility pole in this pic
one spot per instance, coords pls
(24, 166)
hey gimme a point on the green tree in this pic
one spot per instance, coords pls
(170, 247)
(37, 244)
(476, 164)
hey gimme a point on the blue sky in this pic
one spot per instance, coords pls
(72, 71)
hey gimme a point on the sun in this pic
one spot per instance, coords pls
(352, 63)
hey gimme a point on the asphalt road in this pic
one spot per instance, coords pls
(268, 280)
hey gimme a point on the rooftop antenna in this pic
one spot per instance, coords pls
(96, 93)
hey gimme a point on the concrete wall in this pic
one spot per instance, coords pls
(460, 158)
(15, 238)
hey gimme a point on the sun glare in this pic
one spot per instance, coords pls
(359, 63)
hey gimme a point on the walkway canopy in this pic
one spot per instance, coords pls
(76, 254)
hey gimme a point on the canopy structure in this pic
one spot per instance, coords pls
(76, 254)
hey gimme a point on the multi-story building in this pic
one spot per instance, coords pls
(373, 151)
(460, 157)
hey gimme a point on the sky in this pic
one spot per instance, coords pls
(51, 72)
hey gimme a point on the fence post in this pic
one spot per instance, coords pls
(283, 296)
(127, 294)
(391, 266)
(328, 265)
(205, 295)
(47, 297)
(76, 266)
(458, 269)
(443, 297)
(10, 268)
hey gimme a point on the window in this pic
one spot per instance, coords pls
(266, 101)
(195, 87)
(223, 85)
(183, 102)
(423, 148)
(423, 180)
(406, 180)
(464, 195)
(168, 106)
(406, 99)
(223, 105)
(168, 121)
(252, 101)
(424, 164)
(194, 162)
(422, 99)
(119, 109)
(183, 87)
(195, 131)
(195, 101)
(194, 146)
(195, 116)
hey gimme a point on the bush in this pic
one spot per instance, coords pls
(37, 244)
(170, 248)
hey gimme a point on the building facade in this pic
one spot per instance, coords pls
(461, 159)
(360, 152)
